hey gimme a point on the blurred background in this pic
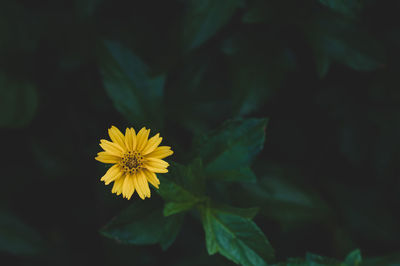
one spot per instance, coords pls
(325, 73)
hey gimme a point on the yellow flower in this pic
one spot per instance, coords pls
(136, 159)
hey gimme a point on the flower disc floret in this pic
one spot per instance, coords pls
(132, 162)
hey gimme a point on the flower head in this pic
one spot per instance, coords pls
(136, 158)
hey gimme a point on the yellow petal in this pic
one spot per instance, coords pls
(118, 183)
(112, 173)
(138, 188)
(152, 144)
(152, 178)
(160, 152)
(105, 157)
(141, 139)
(156, 170)
(128, 187)
(157, 163)
(130, 139)
(142, 181)
(116, 136)
(111, 148)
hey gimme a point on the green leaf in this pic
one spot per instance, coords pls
(171, 190)
(258, 11)
(229, 151)
(248, 213)
(136, 93)
(349, 8)
(204, 18)
(18, 238)
(18, 102)
(143, 223)
(199, 81)
(342, 41)
(256, 83)
(258, 67)
(177, 207)
(283, 200)
(314, 259)
(171, 229)
(361, 211)
(182, 188)
(183, 181)
(236, 174)
(354, 258)
(237, 238)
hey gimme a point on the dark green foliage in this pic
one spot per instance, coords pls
(18, 102)
(352, 259)
(128, 81)
(283, 115)
(258, 11)
(19, 28)
(315, 259)
(253, 81)
(284, 201)
(183, 188)
(334, 39)
(18, 238)
(234, 236)
(390, 260)
(228, 151)
(349, 8)
(144, 224)
(86, 8)
(203, 18)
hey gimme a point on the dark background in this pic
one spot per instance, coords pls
(326, 74)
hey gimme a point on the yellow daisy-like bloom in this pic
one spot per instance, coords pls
(136, 158)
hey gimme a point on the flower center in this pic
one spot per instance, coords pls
(131, 162)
